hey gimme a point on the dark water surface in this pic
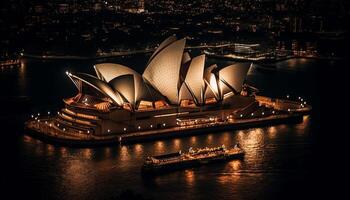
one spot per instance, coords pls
(279, 161)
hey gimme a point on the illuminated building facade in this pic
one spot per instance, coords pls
(174, 90)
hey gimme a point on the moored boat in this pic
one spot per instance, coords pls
(192, 158)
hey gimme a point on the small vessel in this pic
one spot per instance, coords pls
(192, 158)
(10, 63)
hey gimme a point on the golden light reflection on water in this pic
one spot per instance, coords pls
(226, 138)
(272, 132)
(124, 153)
(189, 177)
(232, 175)
(304, 126)
(138, 149)
(50, 149)
(87, 153)
(159, 147)
(252, 141)
(210, 139)
(63, 151)
(235, 165)
(193, 140)
(251, 137)
(177, 144)
(77, 174)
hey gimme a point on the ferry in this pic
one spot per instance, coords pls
(10, 63)
(192, 158)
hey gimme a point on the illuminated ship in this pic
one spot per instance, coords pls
(192, 158)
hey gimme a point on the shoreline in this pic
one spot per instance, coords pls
(272, 61)
(164, 133)
(119, 54)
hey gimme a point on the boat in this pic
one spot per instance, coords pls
(192, 158)
(10, 63)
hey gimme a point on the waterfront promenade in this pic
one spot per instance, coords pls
(46, 130)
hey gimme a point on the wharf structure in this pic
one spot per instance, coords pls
(175, 92)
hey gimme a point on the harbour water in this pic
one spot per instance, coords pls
(279, 159)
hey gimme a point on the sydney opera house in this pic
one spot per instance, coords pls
(174, 90)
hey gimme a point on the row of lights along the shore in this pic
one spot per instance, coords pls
(58, 125)
(151, 126)
(299, 98)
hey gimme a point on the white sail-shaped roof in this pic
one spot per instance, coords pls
(98, 85)
(232, 77)
(110, 71)
(211, 82)
(164, 69)
(185, 93)
(162, 45)
(194, 78)
(208, 71)
(124, 85)
(209, 93)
